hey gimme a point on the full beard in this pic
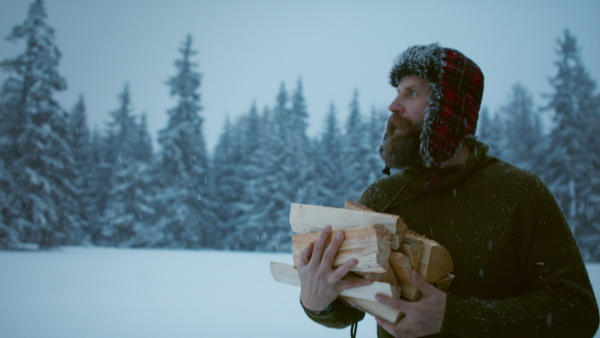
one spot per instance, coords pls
(401, 150)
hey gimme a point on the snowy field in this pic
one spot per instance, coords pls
(99, 292)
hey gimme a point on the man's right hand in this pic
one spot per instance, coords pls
(320, 284)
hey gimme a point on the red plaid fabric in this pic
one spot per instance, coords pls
(453, 110)
(462, 90)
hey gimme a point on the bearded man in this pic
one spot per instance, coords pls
(517, 266)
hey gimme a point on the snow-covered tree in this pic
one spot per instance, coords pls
(328, 186)
(145, 152)
(184, 210)
(356, 148)
(228, 180)
(276, 188)
(99, 183)
(376, 127)
(571, 156)
(522, 129)
(490, 131)
(129, 206)
(79, 139)
(40, 161)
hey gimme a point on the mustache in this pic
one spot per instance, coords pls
(396, 121)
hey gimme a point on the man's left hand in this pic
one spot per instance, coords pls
(421, 318)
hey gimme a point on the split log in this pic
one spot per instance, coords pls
(435, 262)
(385, 277)
(351, 205)
(369, 245)
(375, 309)
(412, 249)
(401, 229)
(287, 274)
(402, 267)
(306, 218)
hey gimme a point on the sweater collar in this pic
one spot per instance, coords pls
(449, 177)
(409, 183)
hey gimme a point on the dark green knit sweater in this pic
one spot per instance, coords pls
(518, 269)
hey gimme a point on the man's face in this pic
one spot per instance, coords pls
(400, 146)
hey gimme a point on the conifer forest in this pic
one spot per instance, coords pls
(62, 183)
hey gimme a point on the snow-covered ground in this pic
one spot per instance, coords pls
(100, 292)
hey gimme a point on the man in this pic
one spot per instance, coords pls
(517, 266)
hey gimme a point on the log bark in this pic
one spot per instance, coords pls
(369, 245)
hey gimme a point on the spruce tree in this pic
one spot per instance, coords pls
(279, 186)
(99, 183)
(376, 127)
(185, 211)
(522, 129)
(145, 152)
(258, 165)
(571, 153)
(79, 139)
(356, 149)
(41, 162)
(327, 183)
(490, 130)
(129, 205)
(229, 183)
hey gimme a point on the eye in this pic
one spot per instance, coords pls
(413, 93)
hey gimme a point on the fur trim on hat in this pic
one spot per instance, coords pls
(456, 85)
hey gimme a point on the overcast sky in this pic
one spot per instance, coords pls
(248, 48)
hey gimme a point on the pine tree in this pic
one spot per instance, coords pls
(522, 129)
(377, 125)
(41, 161)
(79, 139)
(145, 152)
(356, 148)
(257, 164)
(129, 203)
(327, 183)
(489, 131)
(277, 186)
(228, 182)
(99, 181)
(185, 212)
(571, 155)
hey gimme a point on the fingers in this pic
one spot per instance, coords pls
(306, 254)
(340, 272)
(421, 284)
(353, 283)
(389, 327)
(331, 252)
(317, 253)
(390, 302)
(385, 325)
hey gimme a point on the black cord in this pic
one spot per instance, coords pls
(353, 329)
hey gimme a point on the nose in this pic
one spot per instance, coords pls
(396, 106)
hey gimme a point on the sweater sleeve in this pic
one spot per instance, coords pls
(340, 316)
(559, 301)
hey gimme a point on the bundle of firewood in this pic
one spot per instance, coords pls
(385, 249)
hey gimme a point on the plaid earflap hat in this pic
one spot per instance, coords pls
(456, 84)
